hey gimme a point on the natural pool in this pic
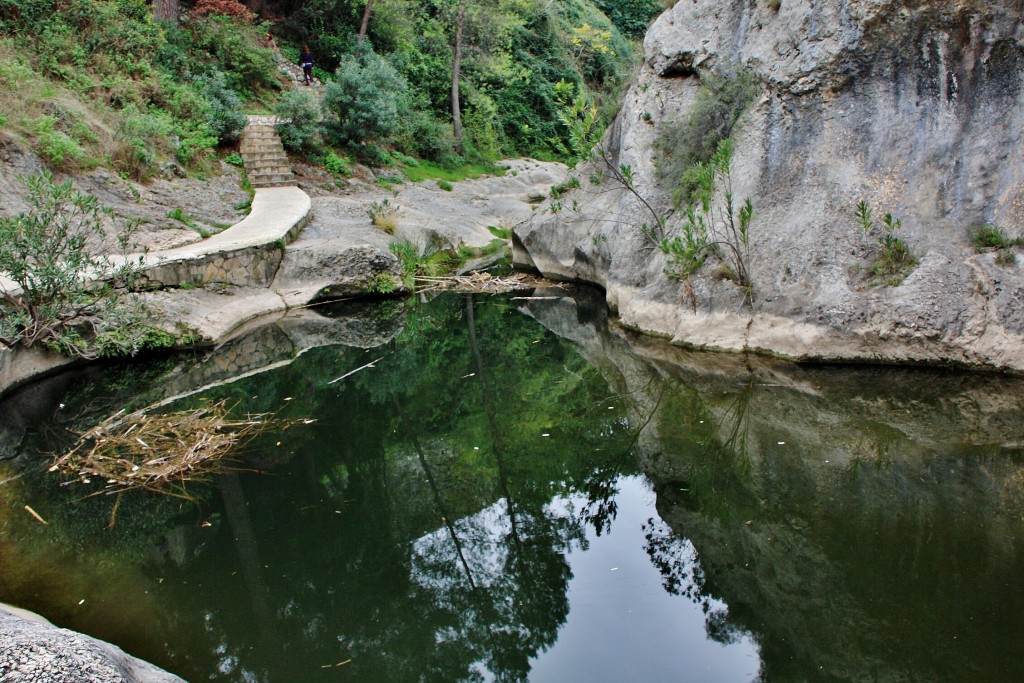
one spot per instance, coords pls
(507, 488)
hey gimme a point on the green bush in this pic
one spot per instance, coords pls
(233, 46)
(364, 101)
(427, 137)
(713, 228)
(56, 147)
(226, 119)
(54, 253)
(990, 236)
(338, 166)
(300, 133)
(893, 260)
(632, 17)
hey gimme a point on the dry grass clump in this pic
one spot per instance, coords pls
(154, 452)
(384, 215)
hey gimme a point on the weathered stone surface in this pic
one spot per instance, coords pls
(462, 215)
(32, 650)
(914, 109)
(214, 313)
(20, 365)
(338, 254)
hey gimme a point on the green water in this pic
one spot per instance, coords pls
(509, 489)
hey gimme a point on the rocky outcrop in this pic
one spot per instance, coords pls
(914, 108)
(32, 650)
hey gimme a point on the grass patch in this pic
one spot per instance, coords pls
(1006, 259)
(988, 236)
(433, 262)
(500, 232)
(428, 170)
(179, 215)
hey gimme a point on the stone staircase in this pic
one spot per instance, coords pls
(266, 163)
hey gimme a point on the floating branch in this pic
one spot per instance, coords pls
(479, 283)
(142, 451)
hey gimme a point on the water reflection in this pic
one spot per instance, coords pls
(510, 489)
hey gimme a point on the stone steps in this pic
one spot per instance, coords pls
(266, 163)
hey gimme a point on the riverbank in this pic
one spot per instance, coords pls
(298, 245)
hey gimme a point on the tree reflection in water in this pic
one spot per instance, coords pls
(860, 525)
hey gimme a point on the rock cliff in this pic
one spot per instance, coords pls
(915, 108)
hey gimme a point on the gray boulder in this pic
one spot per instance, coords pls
(32, 650)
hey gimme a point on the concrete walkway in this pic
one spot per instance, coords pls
(246, 254)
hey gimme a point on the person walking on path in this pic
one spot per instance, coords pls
(306, 60)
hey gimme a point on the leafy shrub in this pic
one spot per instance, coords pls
(140, 135)
(226, 119)
(53, 252)
(300, 133)
(445, 185)
(722, 231)
(632, 17)
(364, 100)
(990, 236)
(234, 46)
(338, 166)
(382, 283)
(681, 145)
(134, 160)
(893, 260)
(427, 137)
(56, 147)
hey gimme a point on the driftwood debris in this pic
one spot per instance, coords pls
(483, 283)
(152, 451)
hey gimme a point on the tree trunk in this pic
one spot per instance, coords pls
(167, 10)
(366, 20)
(456, 68)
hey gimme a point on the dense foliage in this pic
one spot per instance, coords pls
(102, 83)
(516, 56)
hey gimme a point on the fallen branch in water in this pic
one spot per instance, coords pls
(142, 451)
(479, 283)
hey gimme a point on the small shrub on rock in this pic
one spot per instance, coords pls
(70, 294)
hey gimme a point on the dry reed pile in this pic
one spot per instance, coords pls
(479, 283)
(142, 451)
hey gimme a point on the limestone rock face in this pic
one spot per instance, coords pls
(916, 108)
(33, 650)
